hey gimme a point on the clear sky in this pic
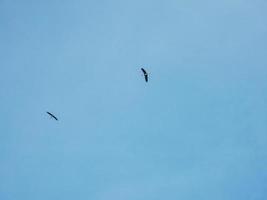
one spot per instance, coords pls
(196, 131)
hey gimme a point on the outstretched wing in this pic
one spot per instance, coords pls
(145, 74)
(52, 115)
(146, 77)
(144, 71)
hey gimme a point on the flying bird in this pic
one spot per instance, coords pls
(145, 74)
(51, 115)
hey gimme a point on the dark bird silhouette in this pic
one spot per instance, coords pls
(51, 115)
(145, 74)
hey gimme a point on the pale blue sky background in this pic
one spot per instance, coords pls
(196, 131)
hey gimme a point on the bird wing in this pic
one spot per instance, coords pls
(146, 77)
(144, 71)
(52, 115)
(55, 118)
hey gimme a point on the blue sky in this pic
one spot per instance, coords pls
(196, 130)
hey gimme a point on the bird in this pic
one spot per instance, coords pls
(145, 74)
(52, 116)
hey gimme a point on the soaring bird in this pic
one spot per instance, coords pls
(51, 115)
(145, 74)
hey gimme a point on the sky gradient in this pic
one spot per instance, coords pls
(196, 130)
